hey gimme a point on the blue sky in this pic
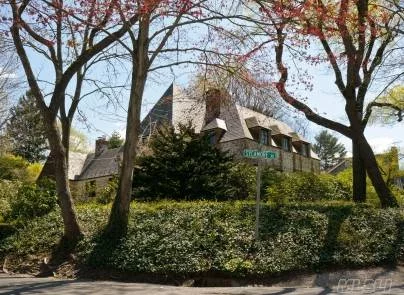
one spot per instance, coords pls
(324, 97)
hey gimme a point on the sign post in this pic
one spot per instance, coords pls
(258, 154)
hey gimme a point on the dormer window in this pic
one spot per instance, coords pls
(264, 136)
(286, 144)
(212, 137)
(305, 150)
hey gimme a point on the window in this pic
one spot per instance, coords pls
(212, 137)
(286, 144)
(264, 137)
(305, 150)
(91, 189)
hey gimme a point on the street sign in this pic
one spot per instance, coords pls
(256, 154)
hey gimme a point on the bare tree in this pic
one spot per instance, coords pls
(43, 28)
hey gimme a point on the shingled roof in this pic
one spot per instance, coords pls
(175, 108)
(105, 164)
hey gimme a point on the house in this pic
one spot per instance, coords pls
(97, 170)
(90, 173)
(233, 128)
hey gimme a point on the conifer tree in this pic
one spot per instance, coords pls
(183, 165)
(328, 149)
(26, 131)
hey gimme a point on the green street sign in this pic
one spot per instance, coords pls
(255, 154)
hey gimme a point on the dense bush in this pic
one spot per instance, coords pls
(183, 165)
(13, 168)
(8, 191)
(33, 200)
(192, 237)
(345, 177)
(301, 186)
(16, 168)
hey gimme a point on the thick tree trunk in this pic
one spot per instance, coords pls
(66, 125)
(387, 199)
(72, 230)
(358, 174)
(119, 218)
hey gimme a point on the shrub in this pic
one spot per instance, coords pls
(183, 165)
(33, 200)
(170, 238)
(300, 186)
(8, 192)
(107, 194)
(13, 168)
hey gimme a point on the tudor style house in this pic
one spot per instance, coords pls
(233, 128)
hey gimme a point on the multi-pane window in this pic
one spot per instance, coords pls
(264, 137)
(305, 150)
(286, 144)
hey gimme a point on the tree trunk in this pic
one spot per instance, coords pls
(358, 174)
(386, 197)
(72, 230)
(66, 125)
(119, 218)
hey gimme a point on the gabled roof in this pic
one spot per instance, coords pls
(176, 107)
(106, 164)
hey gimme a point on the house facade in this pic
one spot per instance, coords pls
(89, 173)
(89, 176)
(229, 126)
(233, 128)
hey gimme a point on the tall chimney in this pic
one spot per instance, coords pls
(101, 144)
(213, 98)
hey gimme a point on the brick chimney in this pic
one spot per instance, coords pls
(213, 99)
(101, 144)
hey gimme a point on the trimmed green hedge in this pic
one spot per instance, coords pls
(172, 238)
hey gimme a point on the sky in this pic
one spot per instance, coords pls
(324, 98)
(104, 118)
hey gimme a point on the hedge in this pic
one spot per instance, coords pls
(169, 238)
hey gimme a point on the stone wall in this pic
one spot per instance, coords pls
(285, 161)
(80, 191)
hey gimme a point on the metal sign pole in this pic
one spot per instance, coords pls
(259, 155)
(257, 201)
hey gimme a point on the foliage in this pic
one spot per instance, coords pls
(107, 194)
(178, 239)
(115, 141)
(13, 168)
(33, 200)
(8, 191)
(345, 177)
(301, 186)
(33, 171)
(328, 149)
(26, 130)
(389, 108)
(184, 165)
(78, 141)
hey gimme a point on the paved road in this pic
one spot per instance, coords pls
(29, 285)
